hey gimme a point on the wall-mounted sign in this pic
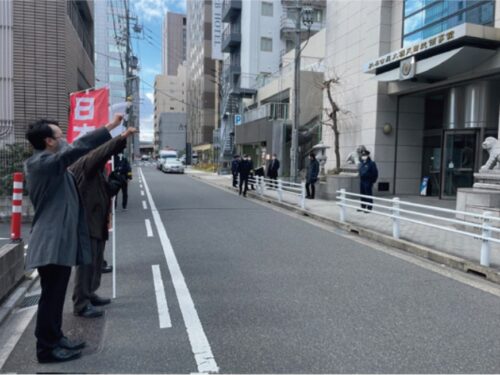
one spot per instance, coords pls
(411, 50)
(237, 119)
(217, 30)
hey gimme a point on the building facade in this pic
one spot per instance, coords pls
(172, 130)
(417, 88)
(169, 97)
(47, 53)
(174, 42)
(256, 39)
(201, 86)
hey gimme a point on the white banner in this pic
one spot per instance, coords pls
(217, 29)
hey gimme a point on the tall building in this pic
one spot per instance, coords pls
(49, 53)
(169, 97)
(110, 48)
(174, 42)
(110, 63)
(418, 88)
(256, 39)
(200, 73)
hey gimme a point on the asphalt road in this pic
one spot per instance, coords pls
(270, 293)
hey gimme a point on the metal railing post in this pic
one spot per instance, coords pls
(395, 218)
(486, 244)
(342, 205)
(262, 185)
(280, 190)
(303, 196)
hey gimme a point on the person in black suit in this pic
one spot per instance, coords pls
(234, 169)
(244, 168)
(272, 169)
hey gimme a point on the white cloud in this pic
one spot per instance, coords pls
(151, 9)
(151, 97)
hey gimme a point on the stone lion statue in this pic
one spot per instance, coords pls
(491, 145)
(355, 156)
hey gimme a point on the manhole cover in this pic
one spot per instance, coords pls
(30, 301)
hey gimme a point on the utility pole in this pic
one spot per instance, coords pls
(128, 91)
(294, 150)
(308, 21)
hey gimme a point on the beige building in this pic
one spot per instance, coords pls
(201, 87)
(417, 88)
(169, 97)
(267, 118)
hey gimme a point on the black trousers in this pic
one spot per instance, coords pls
(88, 276)
(274, 184)
(124, 189)
(310, 193)
(235, 179)
(366, 188)
(54, 282)
(243, 181)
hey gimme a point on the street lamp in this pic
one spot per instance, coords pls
(306, 15)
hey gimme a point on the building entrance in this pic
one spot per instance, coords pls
(459, 161)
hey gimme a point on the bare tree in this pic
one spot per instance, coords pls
(332, 114)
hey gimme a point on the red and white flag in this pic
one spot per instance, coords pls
(89, 110)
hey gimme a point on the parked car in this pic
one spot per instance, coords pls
(164, 155)
(172, 166)
(145, 157)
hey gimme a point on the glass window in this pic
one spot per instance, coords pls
(114, 63)
(267, 9)
(318, 15)
(115, 78)
(426, 18)
(113, 48)
(266, 44)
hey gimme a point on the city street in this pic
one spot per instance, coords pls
(252, 289)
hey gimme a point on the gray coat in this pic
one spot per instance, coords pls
(59, 233)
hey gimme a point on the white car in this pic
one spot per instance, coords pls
(172, 166)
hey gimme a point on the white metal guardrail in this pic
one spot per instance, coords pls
(398, 212)
(262, 184)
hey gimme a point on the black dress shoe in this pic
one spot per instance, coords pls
(59, 354)
(66, 343)
(90, 312)
(107, 269)
(98, 301)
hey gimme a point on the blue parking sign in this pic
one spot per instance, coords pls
(237, 119)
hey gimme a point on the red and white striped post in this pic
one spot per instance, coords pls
(17, 207)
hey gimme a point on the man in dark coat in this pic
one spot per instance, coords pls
(234, 169)
(59, 235)
(272, 169)
(311, 176)
(368, 175)
(244, 168)
(123, 169)
(96, 199)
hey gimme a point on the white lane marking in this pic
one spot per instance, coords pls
(14, 328)
(144, 205)
(199, 343)
(161, 299)
(142, 192)
(149, 230)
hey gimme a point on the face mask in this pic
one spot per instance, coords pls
(62, 144)
(364, 158)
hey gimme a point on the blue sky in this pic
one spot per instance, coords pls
(150, 14)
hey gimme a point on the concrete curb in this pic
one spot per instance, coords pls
(17, 296)
(434, 255)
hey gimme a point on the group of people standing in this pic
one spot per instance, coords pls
(242, 169)
(71, 195)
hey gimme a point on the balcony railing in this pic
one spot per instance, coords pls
(231, 37)
(271, 111)
(230, 8)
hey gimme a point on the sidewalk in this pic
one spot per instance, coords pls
(441, 241)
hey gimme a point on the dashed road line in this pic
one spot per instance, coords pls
(161, 299)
